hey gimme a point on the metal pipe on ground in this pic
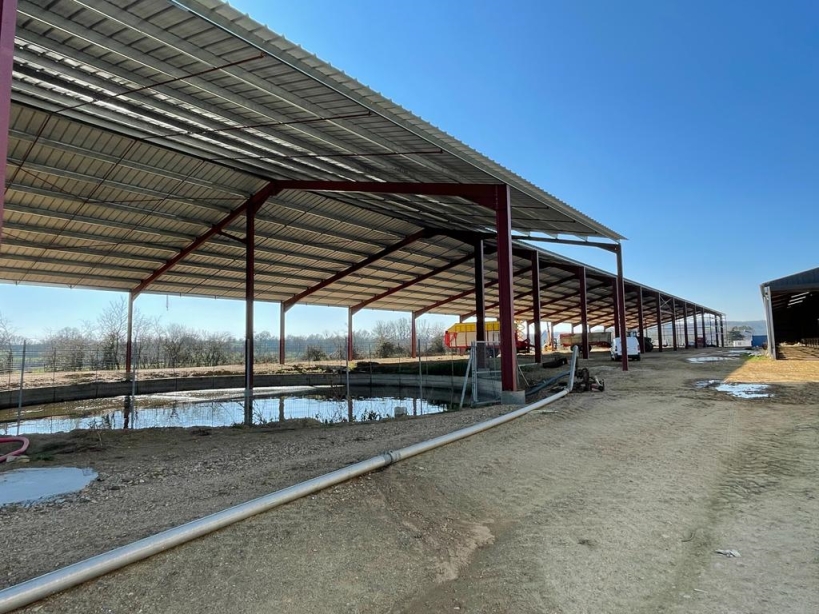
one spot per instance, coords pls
(59, 580)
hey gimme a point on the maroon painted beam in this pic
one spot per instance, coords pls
(412, 282)
(482, 194)
(696, 336)
(521, 295)
(423, 234)
(674, 323)
(464, 294)
(641, 335)
(254, 203)
(722, 328)
(659, 323)
(685, 324)
(8, 25)
(606, 301)
(508, 350)
(621, 293)
(536, 306)
(350, 348)
(413, 336)
(480, 294)
(702, 321)
(612, 247)
(584, 313)
(250, 293)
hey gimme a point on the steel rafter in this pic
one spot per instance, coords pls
(254, 202)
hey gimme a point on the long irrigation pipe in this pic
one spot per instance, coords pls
(48, 584)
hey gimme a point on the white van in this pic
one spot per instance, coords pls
(632, 344)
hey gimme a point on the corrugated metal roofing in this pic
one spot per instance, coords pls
(135, 129)
(806, 280)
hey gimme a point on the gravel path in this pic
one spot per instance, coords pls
(609, 502)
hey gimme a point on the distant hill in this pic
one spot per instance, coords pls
(758, 326)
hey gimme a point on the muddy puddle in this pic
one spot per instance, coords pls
(739, 391)
(27, 486)
(705, 359)
(225, 407)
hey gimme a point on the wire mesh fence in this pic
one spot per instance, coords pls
(167, 391)
(48, 365)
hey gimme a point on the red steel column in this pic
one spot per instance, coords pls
(659, 323)
(621, 294)
(503, 223)
(616, 299)
(536, 305)
(584, 313)
(685, 324)
(674, 323)
(8, 24)
(694, 317)
(250, 293)
(640, 322)
(480, 294)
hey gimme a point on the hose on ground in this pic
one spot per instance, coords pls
(10, 455)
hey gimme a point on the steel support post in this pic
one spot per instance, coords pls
(283, 332)
(480, 294)
(702, 321)
(616, 313)
(8, 25)
(674, 323)
(640, 320)
(413, 336)
(129, 340)
(584, 313)
(694, 318)
(536, 306)
(685, 324)
(621, 294)
(250, 293)
(659, 323)
(350, 347)
(722, 329)
(503, 223)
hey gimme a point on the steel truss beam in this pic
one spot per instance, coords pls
(254, 202)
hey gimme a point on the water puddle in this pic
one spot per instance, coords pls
(26, 486)
(704, 359)
(215, 408)
(739, 391)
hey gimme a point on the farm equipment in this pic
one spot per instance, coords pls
(460, 336)
(596, 340)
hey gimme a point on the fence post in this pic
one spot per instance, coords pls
(22, 379)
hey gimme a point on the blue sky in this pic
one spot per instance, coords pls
(692, 128)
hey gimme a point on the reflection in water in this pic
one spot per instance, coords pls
(29, 485)
(738, 390)
(224, 408)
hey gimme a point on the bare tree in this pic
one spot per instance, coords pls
(111, 329)
(7, 339)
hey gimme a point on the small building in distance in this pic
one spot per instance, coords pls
(792, 315)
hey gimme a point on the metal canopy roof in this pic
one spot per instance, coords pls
(136, 130)
(805, 280)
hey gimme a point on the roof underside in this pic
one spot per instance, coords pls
(134, 131)
(805, 280)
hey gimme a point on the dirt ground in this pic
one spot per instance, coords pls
(604, 502)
